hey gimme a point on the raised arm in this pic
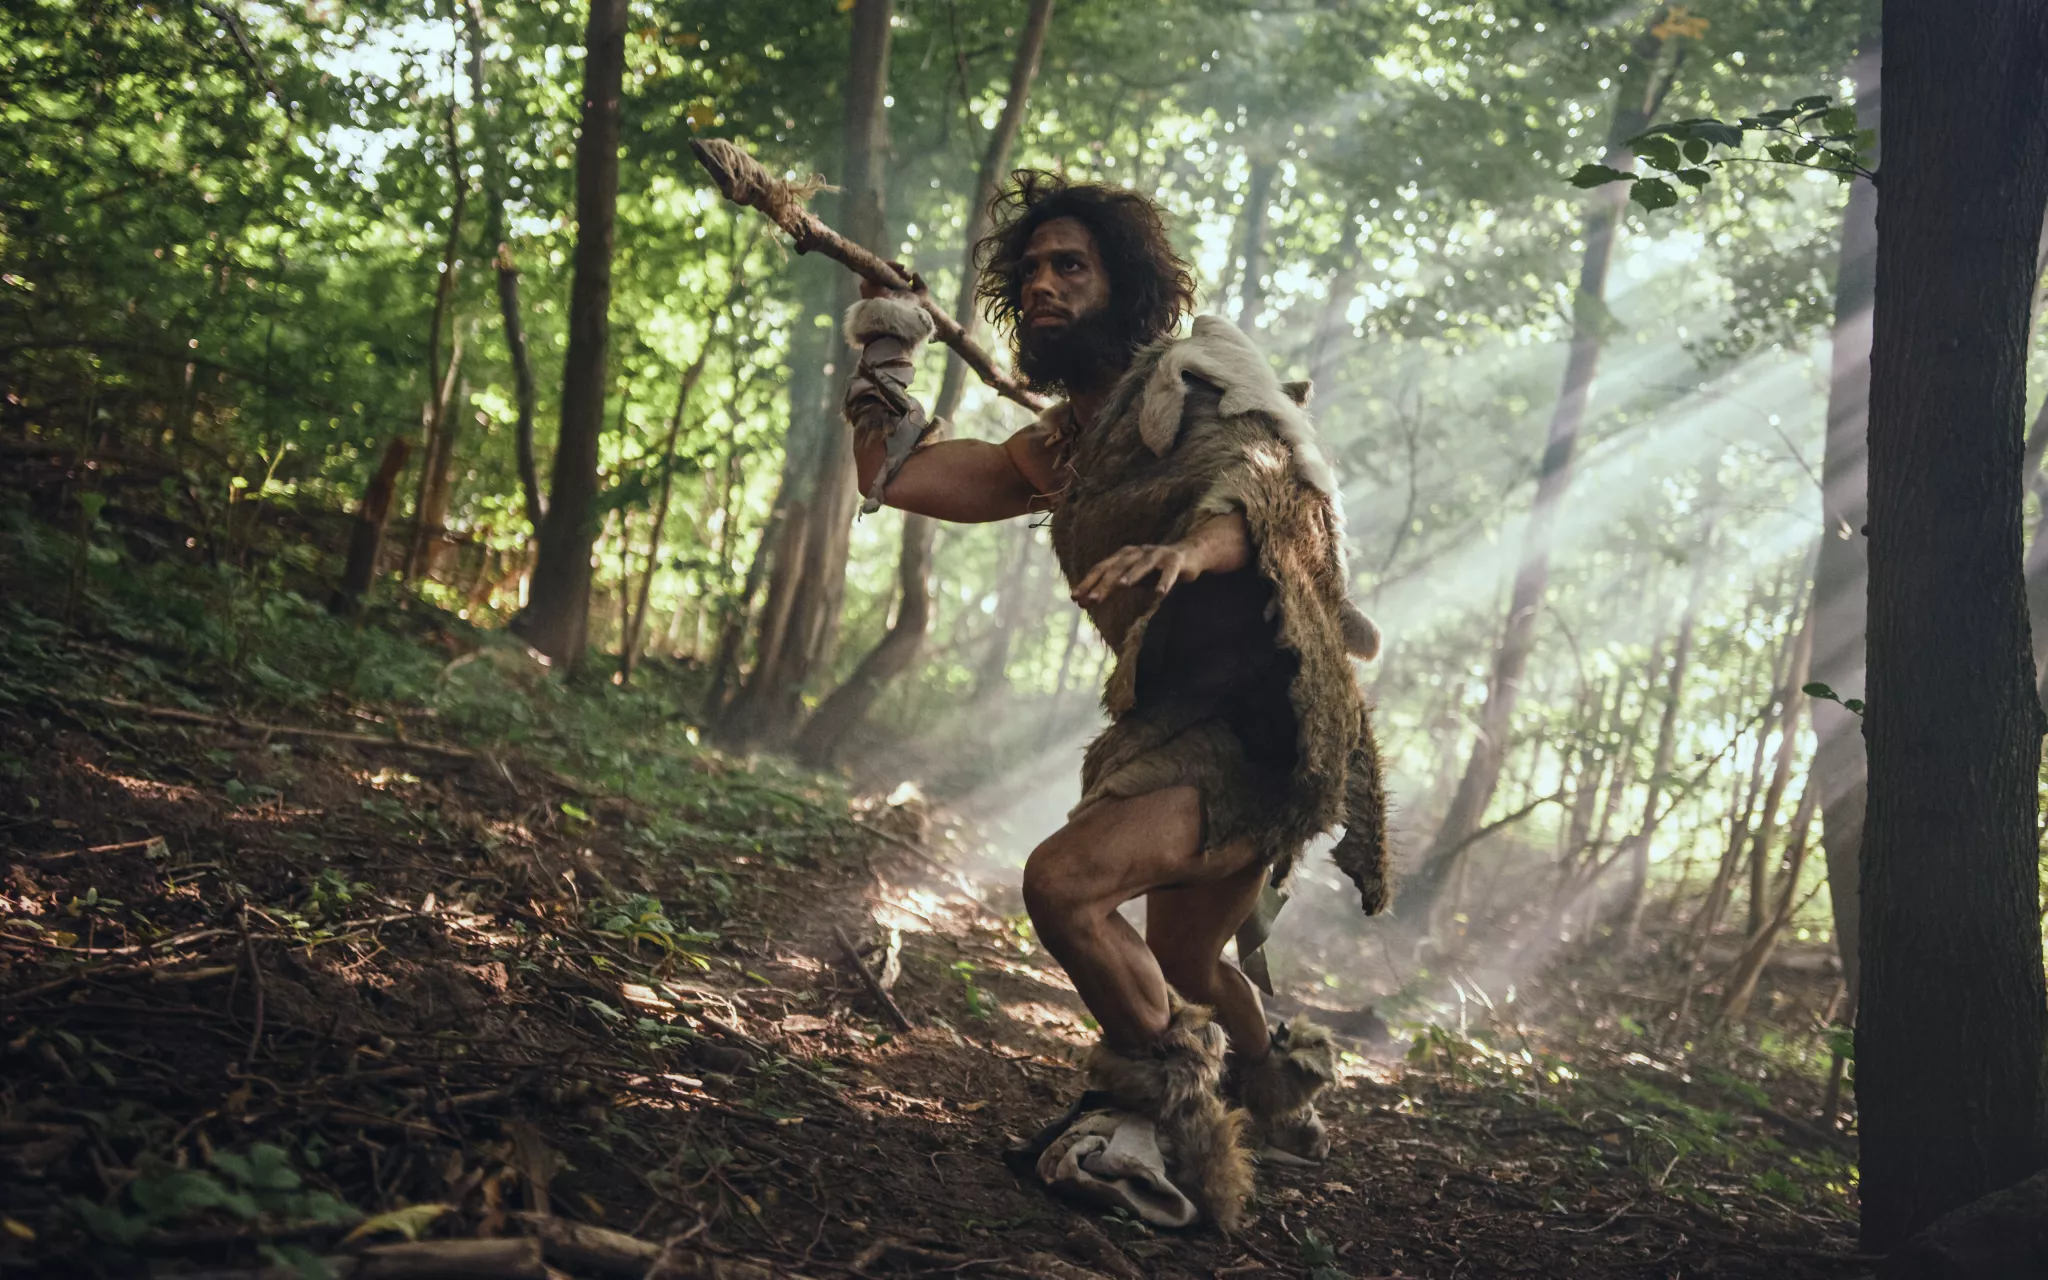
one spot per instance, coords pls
(967, 481)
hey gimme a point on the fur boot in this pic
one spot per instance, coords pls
(1175, 1083)
(1280, 1091)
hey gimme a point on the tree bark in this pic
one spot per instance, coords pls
(849, 705)
(1841, 577)
(1327, 343)
(556, 618)
(799, 627)
(1953, 1020)
(492, 160)
(1642, 90)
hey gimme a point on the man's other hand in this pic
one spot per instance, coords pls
(1221, 544)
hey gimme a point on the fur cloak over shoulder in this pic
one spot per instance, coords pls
(1206, 677)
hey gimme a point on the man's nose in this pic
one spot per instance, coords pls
(1038, 287)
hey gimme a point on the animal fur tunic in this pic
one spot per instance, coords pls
(1240, 684)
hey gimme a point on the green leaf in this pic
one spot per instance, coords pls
(1696, 150)
(1659, 152)
(1598, 175)
(1654, 193)
(1815, 689)
(1841, 120)
(1811, 102)
(408, 1222)
(1694, 178)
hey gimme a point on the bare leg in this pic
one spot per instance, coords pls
(1186, 929)
(1073, 884)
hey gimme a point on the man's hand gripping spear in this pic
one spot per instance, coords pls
(743, 180)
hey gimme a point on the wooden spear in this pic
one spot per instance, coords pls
(744, 180)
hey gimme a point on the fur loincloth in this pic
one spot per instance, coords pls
(1240, 685)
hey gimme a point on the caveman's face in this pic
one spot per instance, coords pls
(1062, 276)
(1063, 336)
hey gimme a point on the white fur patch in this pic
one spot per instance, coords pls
(1218, 353)
(872, 318)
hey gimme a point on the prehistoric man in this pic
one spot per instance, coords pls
(1197, 523)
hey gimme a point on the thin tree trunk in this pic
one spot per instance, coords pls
(430, 506)
(1331, 328)
(629, 643)
(366, 534)
(1841, 577)
(1781, 775)
(507, 272)
(1258, 196)
(1642, 90)
(1952, 985)
(1661, 758)
(807, 580)
(439, 385)
(1740, 987)
(557, 616)
(849, 705)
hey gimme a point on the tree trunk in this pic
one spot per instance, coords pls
(1663, 754)
(1749, 966)
(1642, 90)
(1794, 704)
(1252, 288)
(849, 705)
(1326, 346)
(489, 156)
(366, 535)
(1953, 1019)
(629, 642)
(430, 506)
(807, 578)
(439, 386)
(1840, 580)
(556, 618)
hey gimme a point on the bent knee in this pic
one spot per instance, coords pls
(1056, 890)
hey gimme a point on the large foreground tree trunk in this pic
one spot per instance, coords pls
(799, 624)
(1953, 1020)
(1841, 578)
(849, 704)
(1642, 89)
(557, 614)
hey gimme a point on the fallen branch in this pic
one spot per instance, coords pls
(744, 180)
(868, 979)
(253, 728)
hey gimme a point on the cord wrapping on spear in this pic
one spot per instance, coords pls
(746, 181)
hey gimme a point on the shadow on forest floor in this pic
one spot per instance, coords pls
(272, 1004)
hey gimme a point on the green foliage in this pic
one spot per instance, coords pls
(259, 1185)
(1814, 133)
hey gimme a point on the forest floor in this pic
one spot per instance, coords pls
(304, 957)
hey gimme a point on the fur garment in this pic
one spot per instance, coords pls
(873, 318)
(1279, 1091)
(1175, 1084)
(1240, 685)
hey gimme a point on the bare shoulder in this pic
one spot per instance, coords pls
(1032, 452)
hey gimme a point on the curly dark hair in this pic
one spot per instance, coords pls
(1150, 286)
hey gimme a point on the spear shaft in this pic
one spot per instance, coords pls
(744, 180)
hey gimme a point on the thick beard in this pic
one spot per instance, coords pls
(1081, 353)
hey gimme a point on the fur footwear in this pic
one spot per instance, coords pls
(1280, 1091)
(1174, 1083)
